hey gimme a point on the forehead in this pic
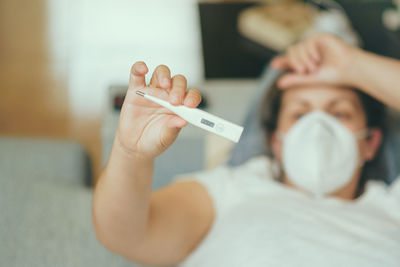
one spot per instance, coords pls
(320, 96)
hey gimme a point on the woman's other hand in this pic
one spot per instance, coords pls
(322, 58)
(146, 129)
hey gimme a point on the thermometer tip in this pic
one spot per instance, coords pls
(140, 93)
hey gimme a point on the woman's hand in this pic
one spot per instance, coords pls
(325, 59)
(322, 58)
(146, 129)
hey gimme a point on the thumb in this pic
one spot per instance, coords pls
(280, 62)
(170, 130)
(295, 79)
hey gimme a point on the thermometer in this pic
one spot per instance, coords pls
(201, 119)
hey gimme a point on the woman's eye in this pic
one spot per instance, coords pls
(297, 116)
(341, 115)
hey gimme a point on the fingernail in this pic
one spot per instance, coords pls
(165, 82)
(175, 99)
(189, 102)
(141, 67)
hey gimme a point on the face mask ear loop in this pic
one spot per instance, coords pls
(276, 169)
(280, 136)
(366, 133)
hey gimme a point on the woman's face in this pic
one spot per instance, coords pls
(342, 103)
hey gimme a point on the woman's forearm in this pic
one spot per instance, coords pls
(378, 76)
(121, 200)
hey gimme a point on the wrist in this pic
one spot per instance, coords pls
(352, 74)
(123, 151)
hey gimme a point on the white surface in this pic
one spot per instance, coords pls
(94, 44)
(230, 98)
(260, 222)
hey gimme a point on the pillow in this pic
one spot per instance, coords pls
(252, 142)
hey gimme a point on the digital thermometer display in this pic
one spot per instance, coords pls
(207, 122)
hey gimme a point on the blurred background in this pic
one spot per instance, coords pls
(58, 58)
(64, 68)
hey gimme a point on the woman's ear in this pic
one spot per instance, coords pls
(373, 143)
(276, 146)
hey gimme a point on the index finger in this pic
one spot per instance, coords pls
(137, 78)
(161, 77)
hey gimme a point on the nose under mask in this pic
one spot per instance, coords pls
(320, 155)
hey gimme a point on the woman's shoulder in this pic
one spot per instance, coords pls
(260, 164)
(260, 167)
(395, 187)
(379, 188)
(382, 196)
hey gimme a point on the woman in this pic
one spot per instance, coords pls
(242, 216)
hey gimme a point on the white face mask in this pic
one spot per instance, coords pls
(320, 155)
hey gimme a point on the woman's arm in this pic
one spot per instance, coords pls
(378, 76)
(325, 58)
(150, 228)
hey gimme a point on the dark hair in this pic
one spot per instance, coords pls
(374, 110)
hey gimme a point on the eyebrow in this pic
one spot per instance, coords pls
(331, 104)
(302, 102)
(344, 99)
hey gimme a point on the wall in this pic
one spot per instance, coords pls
(32, 100)
(94, 43)
(58, 57)
(103, 38)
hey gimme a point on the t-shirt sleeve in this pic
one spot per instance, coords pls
(218, 184)
(227, 186)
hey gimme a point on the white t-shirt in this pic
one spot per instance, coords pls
(261, 222)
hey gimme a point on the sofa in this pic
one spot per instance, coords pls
(45, 205)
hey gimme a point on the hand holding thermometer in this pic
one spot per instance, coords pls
(201, 119)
